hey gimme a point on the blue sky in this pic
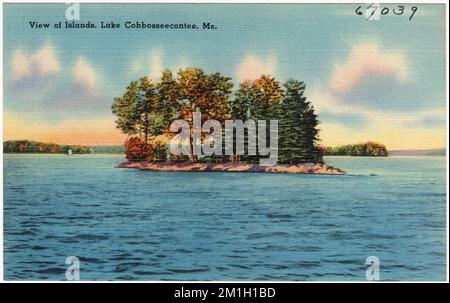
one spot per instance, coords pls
(381, 80)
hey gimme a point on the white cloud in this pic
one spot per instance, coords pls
(367, 59)
(252, 67)
(325, 101)
(21, 67)
(155, 63)
(43, 62)
(398, 130)
(85, 74)
(46, 61)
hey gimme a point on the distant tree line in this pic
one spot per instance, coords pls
(107, 149)
(367, 149)
(146, 110)
(26, 146)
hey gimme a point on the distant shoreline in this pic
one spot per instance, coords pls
(419, 152)
(339, 156)
(118, 149)
(307, 168)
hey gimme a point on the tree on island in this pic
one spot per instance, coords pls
(123, 107)
(266, 97)
(240, 110)
(257, 100)
(140, 110)
(147, 109)
(367, 149)
(168, 93)
(298, 127)
(205, 93)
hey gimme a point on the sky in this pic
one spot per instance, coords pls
(368, 80)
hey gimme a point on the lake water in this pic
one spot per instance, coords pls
(131, 224)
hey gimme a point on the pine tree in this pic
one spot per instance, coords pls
(257, 100)
(240, 106)
(123, 108)
(139, 110)
(167, 90)
(298, 127)
(240, 110)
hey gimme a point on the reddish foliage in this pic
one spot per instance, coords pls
(323, 149)
(137, 150)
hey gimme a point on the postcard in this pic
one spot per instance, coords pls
(225, 142)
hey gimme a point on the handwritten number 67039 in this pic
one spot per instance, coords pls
(399, 10)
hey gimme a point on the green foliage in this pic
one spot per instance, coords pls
(26, 146)
(258, 100)
(160, 151)
(140, 110)
(206, 93)
(266, 97)
(107, 149)
(123, 108)
(240, 106)
(298, 133)
(168, 93)
(367, 149)
(178, 158)
(147, 109)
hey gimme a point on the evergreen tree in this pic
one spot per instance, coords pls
(167, 90)
(240, 106)
(298, 127)
(240, 110)
(123, 108)
(148, 109)
(257, 100)
(139, 110)
(267, 95)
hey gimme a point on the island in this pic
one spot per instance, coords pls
(305, 168)
(148, 108)
(28, 146)
(367, 149)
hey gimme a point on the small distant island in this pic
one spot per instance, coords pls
(27, 146)
(367, 149)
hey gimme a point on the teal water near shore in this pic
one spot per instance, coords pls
(153, 225)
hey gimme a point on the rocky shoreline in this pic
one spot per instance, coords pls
(307, 168)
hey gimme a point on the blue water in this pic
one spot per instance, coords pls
(131, 224)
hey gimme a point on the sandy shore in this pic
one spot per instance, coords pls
(307, 168)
